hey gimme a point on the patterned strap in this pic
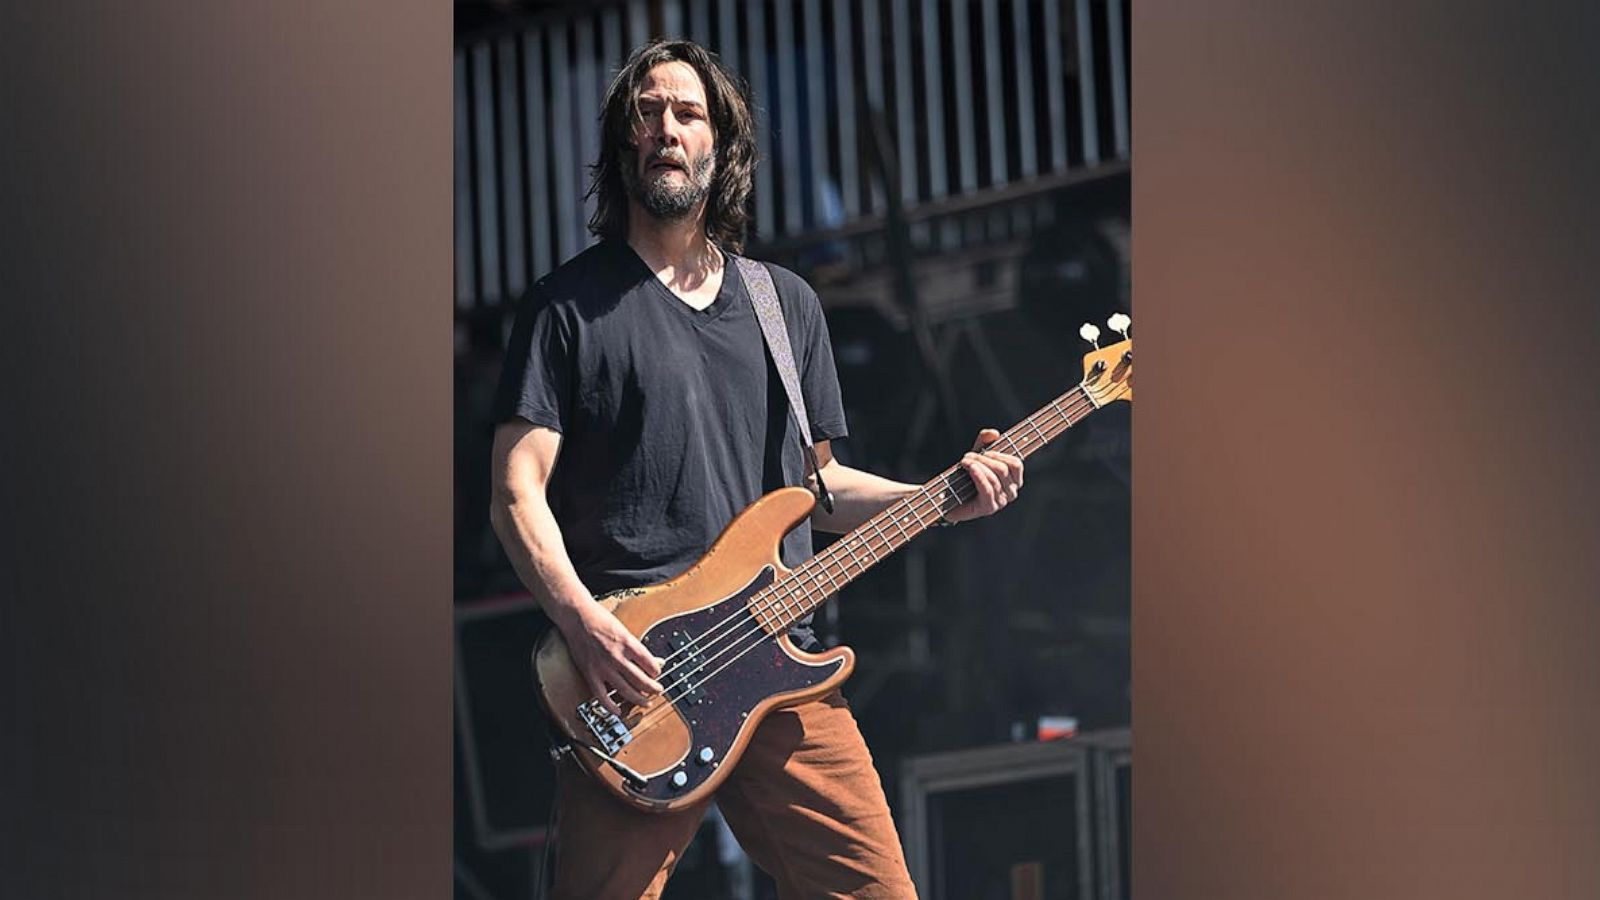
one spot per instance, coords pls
(764, 294)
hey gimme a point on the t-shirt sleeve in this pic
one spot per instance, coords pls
(536, 378)
(819, 379)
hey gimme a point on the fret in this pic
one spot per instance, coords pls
(829, 581)
(890, 517)
(781, 600)
(827, 560)
(864, 549)
(900, 524)
(881, 544)
(1012, 441)
(880, 531)
(794, 608)
(878, 545)
(953, 491)
(1064, 414)
(1033, 422)
(1083, 394)
(840, 576)
(885, 542)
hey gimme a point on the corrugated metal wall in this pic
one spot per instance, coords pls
(979, 96)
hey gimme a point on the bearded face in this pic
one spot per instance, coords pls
(670, 166)
(667, 183)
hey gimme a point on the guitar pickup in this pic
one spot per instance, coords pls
(689, 670)
(611, 732)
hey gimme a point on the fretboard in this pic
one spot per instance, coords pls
(791, 599)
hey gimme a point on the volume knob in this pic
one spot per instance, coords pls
(706, 756)
(679, 779)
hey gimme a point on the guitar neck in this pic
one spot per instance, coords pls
(791, 599)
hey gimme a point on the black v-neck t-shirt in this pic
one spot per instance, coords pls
(673, 419)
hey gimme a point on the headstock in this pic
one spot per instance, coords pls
(1108, 371)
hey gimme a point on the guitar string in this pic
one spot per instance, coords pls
(1075, 411)
(760, 634)
(739, 646)
(949, 486)
(962, 493)
(962, 490)
(850, 553)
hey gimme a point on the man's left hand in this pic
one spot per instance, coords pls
(998, 477)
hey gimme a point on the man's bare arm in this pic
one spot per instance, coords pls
(859, 495)
(608, 656)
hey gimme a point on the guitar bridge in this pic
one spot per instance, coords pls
(608, 730)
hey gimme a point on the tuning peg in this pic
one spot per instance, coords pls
(1120, 323)
(1091, 334)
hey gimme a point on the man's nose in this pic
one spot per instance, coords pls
(670, 132)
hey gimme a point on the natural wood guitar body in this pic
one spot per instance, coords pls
(686, 741)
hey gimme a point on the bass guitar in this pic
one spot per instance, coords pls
(721, 626)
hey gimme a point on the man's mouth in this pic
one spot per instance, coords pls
(667, 164)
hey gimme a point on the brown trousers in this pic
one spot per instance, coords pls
(803, 800)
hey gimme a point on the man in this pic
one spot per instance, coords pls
(639, 413)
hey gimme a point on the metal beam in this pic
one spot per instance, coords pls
(466, 284)
(585, 72)
(755, 24)
(1119, 78)
(561, 134)
(1086, 105)
(994, 103)
(845, 99)
(1027, 121)
(872, 63)
(966, 128)
(933, 102)
(511, 162)
(905, 133)
(816, 109)
(533, 88)
(788, 115)
(1055, 90)
(487, 176)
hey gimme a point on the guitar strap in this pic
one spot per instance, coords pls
(764, 295)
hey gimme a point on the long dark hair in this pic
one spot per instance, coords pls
(727, 105)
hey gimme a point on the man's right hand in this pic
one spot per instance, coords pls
(609, 657)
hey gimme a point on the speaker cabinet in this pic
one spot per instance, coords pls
(1008, 822)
